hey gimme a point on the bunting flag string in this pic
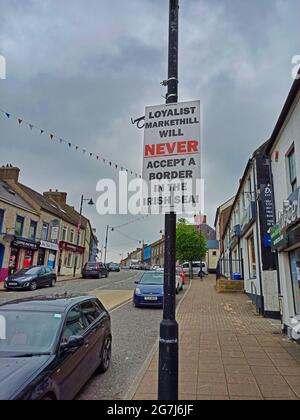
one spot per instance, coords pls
(77, 148)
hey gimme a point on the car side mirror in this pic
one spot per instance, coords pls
(73, 343)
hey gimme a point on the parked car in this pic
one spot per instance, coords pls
(113, 267)
(198, 266)
(94, 270)
(180, 272)
(50, 347)
(31, 278)
(149, 289)
(156, 267)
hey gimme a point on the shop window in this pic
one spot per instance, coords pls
(292, 169)
(252, 257)
(295, 270)
(45, 231)
(19, 226)
(1, 220)
(32, 230)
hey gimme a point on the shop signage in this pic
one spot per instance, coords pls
(279, 238)
(27, 244)
(291, 209)
(49, 245)
(289, 217)
(72, 248)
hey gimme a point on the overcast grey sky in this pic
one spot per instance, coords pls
(83, 68)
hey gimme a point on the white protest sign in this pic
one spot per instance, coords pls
(172, 159)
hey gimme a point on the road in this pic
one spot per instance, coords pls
(135, 331)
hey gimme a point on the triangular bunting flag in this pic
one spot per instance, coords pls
(7, 114)
(31, 127)
(42, 131)
(20, 121)
(51, 136)
(70, 144)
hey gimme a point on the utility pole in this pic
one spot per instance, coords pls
(168, 343)
(106, 241)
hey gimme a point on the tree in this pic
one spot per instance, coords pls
(190, 243)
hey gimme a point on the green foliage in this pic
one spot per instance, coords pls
(190, 243)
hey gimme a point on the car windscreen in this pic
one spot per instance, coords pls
(152, 278)
(94, 265)
(28, 332)
(31, 271)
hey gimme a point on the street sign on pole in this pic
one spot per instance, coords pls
(172, 159)
(168, 340)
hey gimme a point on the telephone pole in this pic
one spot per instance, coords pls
(168, 343)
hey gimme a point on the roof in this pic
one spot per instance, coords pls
(58, 304)
(212, 244)
(219, 208)
(262, 150)
(284, 113)
(63, 211)
(8, 194)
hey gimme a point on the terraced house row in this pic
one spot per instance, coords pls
(41, 229)
(259, 229)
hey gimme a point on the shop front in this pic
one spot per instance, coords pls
(285, 238)
(3, 270)
(22, 254)
(47, 254)
(69, 255)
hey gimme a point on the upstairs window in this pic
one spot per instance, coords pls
(19, 226)
(292, 169)
(45, 231)
(64, 233)
(32, 230)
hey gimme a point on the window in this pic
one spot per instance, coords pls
(45, 231)
(75, 324)
(32, 230)
(1, 220)
(214, 253)
(19, 226)
(64, 233)
(295, 270)
(252, 258)
(91, 311)
(72, 236)
(70, 259)
(292, 169)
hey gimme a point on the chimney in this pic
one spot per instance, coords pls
(9, 173)
(57, 196)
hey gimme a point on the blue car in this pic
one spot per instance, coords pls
(149, 290)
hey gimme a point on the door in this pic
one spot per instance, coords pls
(73, 371)
(95, 334)
(42, 277)
(41, 256)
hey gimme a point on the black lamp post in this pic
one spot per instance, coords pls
(168, 342)
(90, 203)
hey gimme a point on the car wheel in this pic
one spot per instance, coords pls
(106, 275)
(33, 286)
(105, 355)
(177, 290)
(52, 284)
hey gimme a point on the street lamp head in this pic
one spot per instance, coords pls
(91, 202)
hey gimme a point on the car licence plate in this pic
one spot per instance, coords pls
(13, 284)
(151, 298)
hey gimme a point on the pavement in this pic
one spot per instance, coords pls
(227, 352)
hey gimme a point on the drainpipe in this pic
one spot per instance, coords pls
(258, 243)
(269, 163)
